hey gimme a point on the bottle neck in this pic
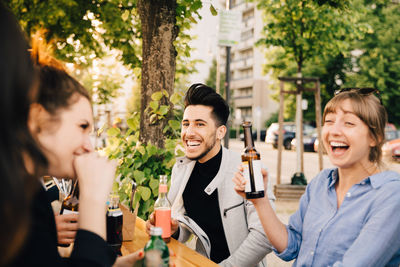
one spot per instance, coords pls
(75, 191)
(162, 190)
(155, 237)
(248, 138)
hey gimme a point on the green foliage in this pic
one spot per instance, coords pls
(314, 38)
(306, 29)
(378, 64)
(143, 163)
(82, 30)
(212, 77)
(273, 118)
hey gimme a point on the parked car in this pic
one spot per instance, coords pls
(254, 134)
(289, 132)
(316, 146)
(308, 141)
(392, 140)
(396, 153)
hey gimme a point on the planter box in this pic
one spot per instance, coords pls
(288, 191)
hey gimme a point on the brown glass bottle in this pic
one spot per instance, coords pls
(71, 203)
(251, 162)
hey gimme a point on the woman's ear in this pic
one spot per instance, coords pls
(36, 115)
(221, 131)
(372, 142)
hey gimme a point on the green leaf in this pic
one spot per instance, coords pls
(125, 15)
(192, 19)
(175, 98)
(138, 176)
(170, 163)
(115, 187)
(164, 109)
(113, 131)
(174, 124)
(141, 149)
(213, 10)
(144, 192)
(151, 150)
(153, 105)
(157, 96)
(165, 92)
(132, 123)
(153, 184)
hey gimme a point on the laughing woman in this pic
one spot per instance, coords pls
(348, 215)
(60, 121)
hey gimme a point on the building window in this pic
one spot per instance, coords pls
(248, 15)
(246, 73)
(246, 92)
(247, 35)
(246, 112)
(248, 53)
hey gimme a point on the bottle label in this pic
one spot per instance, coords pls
(258, 178)
(162, 188)
(163, 220)
(114, 212)
(65, 211)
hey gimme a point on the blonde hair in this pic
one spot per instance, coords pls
(370, 110)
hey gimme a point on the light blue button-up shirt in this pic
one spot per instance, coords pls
(364, 231)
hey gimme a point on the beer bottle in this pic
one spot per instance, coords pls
(157, 244)
(71, 203)
(114, 224)
(252, 165)
(162, 209)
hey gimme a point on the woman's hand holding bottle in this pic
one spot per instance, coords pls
(240, 184)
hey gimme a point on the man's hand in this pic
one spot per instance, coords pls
(151, 222)
(67, 225)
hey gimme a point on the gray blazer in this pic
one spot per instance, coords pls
(247, 242)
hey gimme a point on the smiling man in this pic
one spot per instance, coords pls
(226, 228)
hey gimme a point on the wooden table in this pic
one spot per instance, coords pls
(181, 255)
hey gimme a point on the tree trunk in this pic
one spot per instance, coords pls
(158, 61)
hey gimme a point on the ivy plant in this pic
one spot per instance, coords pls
(143, 163)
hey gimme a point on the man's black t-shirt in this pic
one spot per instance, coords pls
(204, 208)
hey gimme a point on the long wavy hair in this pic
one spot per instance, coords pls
(17, 147)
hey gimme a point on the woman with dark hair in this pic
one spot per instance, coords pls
(18, 184)
(348, 215)
(60, 120)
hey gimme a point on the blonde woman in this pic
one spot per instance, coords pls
(349, 215)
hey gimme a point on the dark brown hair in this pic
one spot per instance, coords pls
(56, 88)
(17, 75)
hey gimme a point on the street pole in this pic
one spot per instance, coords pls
(227, 83)
(218, 78)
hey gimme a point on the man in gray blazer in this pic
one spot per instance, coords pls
(225, 227)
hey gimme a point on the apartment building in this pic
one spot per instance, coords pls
(250, 93)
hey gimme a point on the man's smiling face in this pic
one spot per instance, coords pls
(200, 134)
